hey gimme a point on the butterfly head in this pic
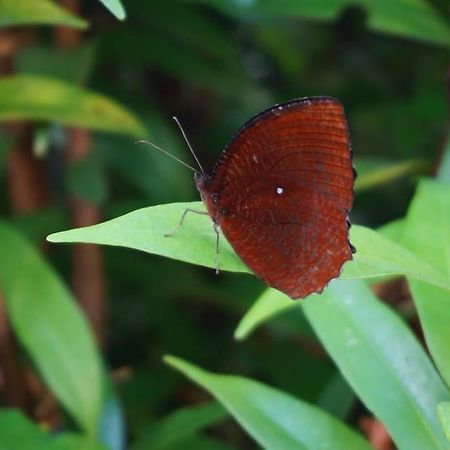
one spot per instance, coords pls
(201, 181)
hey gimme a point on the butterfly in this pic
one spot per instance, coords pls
(281, 192)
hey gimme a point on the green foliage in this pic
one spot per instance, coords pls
(179, 426)
(18, 433)
(116, 7)
(410, 18)
(274, 419)
(40, 98)
(51, 328)
(325, 362)
(41, 12)
(377, 353)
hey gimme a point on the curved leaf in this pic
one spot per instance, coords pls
(373, 173)
(376, 255)
(145, 228)
(51, 328)
(37, 12)
(194, 242)
(382, 361)
(443, 412)
(116, 7)
(39, 98)
(269, 304)
(427, 234)
(179, 426)
(274, 419)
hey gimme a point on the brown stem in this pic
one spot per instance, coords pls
(88, 268)
(27, 184)
(376, 433)
(87, 272)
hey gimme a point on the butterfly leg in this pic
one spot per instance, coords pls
(216, 229)
(182, 220)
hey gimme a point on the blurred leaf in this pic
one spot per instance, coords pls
(270, 304)
(72, 66)
(52, 329)
(414, 19)
(273, 418)
(71, 441)
(180, 425)
(382, 361)
(86, 179)
(443, 411)
(443, 173)
(427, 225)
(111, 430)
(199, 442)
(18, 433)
(191, 28)
(37, 12)
(337, 397)
(175, 59)
(116, 7)
(372, 173)
(377, 255)
(159, 177)
(393, 230)
(40, 98)
(194, 242)
(36, 225)
(427, 234)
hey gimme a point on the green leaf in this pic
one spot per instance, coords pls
(337, 397)
(382, 361)
(71, 65)
(51, 328)
(179, 426)
(444, 166)
(274, 419)
(373, 173)
(428, 224)
(198, 442)
(376, 255)
(116, 7)
(414, 19)
(145, 228)
(443, 412)
(269, 304)
(18, 433)
(37, 12)
(194, 242)
(86, 179)
(39, 98)
(427, 233)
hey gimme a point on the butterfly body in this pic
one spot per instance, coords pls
(281, 193)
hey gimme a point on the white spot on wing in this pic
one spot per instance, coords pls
(279, 190)
(255, 158)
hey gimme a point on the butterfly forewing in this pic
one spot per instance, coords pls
(281, 192)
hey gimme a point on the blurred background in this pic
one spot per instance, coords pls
(68, 160)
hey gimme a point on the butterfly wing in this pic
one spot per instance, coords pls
(282, 190)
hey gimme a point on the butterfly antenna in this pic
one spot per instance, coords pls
(188, 144)
(157, 147)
